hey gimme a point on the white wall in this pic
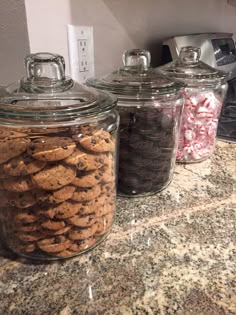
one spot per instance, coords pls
(47, 21)
(123, 24)
(50, 34)
(13, 39)
(149, 22)
(111, 37)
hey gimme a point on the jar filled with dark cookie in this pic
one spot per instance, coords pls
(57, 162)
(150, 108)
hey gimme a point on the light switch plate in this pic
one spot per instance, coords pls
(81, 52)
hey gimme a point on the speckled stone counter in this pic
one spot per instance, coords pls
(173, 253)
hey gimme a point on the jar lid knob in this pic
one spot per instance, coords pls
(45, 66)
(190, 54)
(137, 58)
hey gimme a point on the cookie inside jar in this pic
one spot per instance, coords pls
(58, 191)
(147, 147)
(57, 163)
(150, 108)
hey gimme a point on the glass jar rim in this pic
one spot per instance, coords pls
(136, 79)
(189, 69)
(46, 95)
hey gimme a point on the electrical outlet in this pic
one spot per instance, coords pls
(83, 55)
(81, 52)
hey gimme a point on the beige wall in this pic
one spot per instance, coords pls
(13, 39)
(47, 26)
(148, 22)
(50, 34)
(111, 37)
(123, 24)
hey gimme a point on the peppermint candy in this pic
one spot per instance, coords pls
(189, 135)
(199, 126)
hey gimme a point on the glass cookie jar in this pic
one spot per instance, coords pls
(150, 107)
(57, 161)
(204, 95)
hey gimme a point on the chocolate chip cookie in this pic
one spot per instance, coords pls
(82, 233)
(23, 165)
(56, 196)
(54, 177)
(11, 133)
(99, 141)
(25, 248)
(51, 148)
(53, 225)
(61, 231)
(85, 161)
(86, 194)
(11, 148)
(30, 237)
(54, 244)
(82, 221)
(55, 189)
(64, 210)
(87, 179)
(22, 199)
(19, 184)
(82, 245)
(25, 217)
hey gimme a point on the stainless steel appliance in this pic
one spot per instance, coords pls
(219, 51)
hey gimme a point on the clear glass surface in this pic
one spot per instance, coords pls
(136, 79)
(204, 96)
(150, 107)
(148, 145)
(199, 124)
(58, 143)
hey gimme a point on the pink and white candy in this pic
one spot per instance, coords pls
(199, 126)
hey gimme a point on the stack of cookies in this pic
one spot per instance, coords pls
(148, 139)
(57, 189)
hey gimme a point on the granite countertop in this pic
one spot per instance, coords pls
(173, 253)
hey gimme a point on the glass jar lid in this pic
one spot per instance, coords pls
(47, 96)
(136, 79)
(189, 69)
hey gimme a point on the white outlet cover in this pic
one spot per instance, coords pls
(81, 52)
